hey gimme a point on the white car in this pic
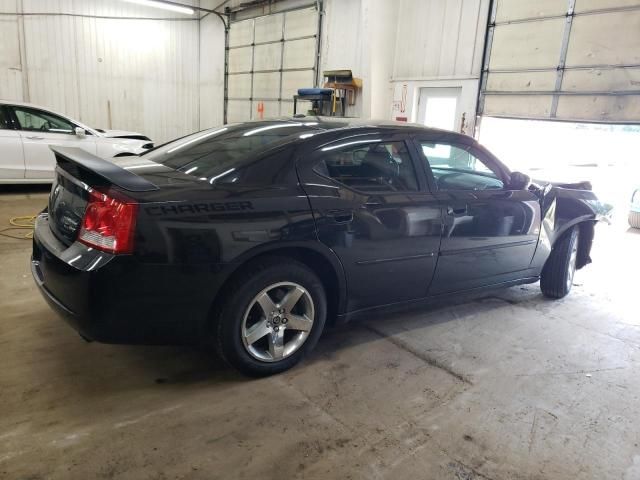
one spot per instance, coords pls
(27, 131)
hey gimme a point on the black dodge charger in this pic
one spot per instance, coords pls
(253, 236)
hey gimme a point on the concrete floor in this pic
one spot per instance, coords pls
(509, 386)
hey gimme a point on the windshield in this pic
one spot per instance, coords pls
(212, 154)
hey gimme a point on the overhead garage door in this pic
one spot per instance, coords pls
(270, 57)
(563, 59)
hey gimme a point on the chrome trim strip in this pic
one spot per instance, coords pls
(395, 259)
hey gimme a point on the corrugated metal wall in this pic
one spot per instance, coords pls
(439, 39)
(85, 60)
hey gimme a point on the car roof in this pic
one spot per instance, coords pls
(348, 123)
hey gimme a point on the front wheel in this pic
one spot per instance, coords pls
(272, 317)
(557, 275)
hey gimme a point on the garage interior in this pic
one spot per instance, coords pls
(501, 385)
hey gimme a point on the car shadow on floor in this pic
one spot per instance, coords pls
(119, 367)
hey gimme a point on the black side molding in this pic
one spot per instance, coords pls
(104, 169)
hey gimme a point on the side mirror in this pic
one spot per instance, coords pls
(519, 181)
(80, 132)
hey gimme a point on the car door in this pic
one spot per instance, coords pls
(39, 130)
(371, 207)
(11, 156)
(490, 230)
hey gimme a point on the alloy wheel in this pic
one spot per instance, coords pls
(278, 321)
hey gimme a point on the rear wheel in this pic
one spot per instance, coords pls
(634, 219)
(273, 316)
(557, 275)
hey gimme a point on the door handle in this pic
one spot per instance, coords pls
(340, 216)
(35, 138)
(457, 211)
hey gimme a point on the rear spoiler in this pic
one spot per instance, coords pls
(109, 171)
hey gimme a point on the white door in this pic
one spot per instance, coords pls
(11, 157)
(440, 108)
(40, 130)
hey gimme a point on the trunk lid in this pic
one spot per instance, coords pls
(77, 172)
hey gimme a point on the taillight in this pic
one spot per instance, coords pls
(109, 223)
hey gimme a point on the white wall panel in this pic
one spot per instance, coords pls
(124, 73)
(10, 61)
(267, 57)
(238, 110)
(240, 59)
(620, 108)
(521, 82)
(300, 23)
(601, 80)
(211, 56)
(269, 28)
(266, 85)
(291, 82)
(532, 44)
(240, 86)
(509, 10)
(241, 33)
(299, 53)
(593, 38)
(8, 6)
(439, 39)
(580, 64)
(593, 5)
(526, 106)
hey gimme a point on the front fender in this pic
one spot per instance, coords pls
(562, 209)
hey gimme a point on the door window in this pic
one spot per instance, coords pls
(4, 119)
(455, 168)
(31, 119)
(370, 166)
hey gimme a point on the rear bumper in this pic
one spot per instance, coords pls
(118, 299)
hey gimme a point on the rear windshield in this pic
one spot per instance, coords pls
(212, 154)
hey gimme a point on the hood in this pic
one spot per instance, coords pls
(123, 134)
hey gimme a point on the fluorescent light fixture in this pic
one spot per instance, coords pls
(163, 5)
(326, 149)
(198, 138)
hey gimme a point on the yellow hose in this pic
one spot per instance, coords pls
(18, 225)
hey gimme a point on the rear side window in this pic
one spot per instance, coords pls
(374, 166)
(216, 155)
(32, 119)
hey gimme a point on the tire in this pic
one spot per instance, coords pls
(557, 275)
(258, 343)
(634, 219)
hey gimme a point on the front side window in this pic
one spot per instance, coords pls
(31, 119)
(455, 168)
(370, 166)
